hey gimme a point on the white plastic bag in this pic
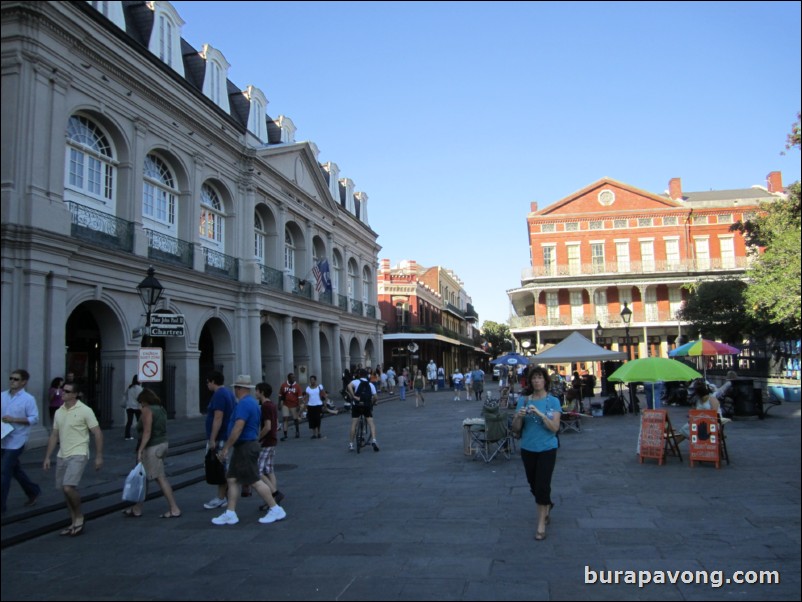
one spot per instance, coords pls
(134, 488)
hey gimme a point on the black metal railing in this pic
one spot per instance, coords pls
(220, 264)
(171, 250)
(102, 229)
(272, 278)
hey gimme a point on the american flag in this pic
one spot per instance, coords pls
(322, 276)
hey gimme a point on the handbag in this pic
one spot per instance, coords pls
(134, 488)
(215, 471)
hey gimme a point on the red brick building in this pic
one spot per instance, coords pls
(428, 315)
(612, 243)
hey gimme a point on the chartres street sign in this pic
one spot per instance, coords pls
(166, 325)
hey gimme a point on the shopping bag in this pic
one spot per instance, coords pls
(134, 488)
(215, 471)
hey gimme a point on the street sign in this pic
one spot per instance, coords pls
(166, 325)
(166, 319)
(150, 365)
(167, 331)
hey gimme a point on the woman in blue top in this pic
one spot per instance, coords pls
(537, 418)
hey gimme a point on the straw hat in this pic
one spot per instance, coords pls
(243, 381)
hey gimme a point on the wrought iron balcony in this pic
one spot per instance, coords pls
(168, 249)
(300, 287)
(272, 278)
(102, 229)
(220, 264)
(342, 302)
(356, 307)
(634, 268)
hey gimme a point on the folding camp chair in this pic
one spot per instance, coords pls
(494, 438)
(571, 417)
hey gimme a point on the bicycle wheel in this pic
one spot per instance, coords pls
(360, 434)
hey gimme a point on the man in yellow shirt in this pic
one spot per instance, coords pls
(71, 427)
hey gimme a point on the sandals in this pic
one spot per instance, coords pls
(169, 514)
(77, 530)
(129, 512)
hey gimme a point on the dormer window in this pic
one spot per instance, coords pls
(112, 11)
(215, 81)
(165, 38)
(287, 128)
(257, 113)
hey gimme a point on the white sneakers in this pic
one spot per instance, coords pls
(276, 513)
(227, 518)
(216, 502)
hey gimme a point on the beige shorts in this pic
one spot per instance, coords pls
(287, 412)
(70, 470)
(153, 460)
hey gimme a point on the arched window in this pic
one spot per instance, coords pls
(366, 286)
(259, 238)
(335, 273)
(353, 280)
(289, 251)
(211, 216)
(158, 195)
(90, 162)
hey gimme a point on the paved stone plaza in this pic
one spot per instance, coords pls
(421, 521)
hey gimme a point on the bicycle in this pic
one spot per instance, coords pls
(361, 433)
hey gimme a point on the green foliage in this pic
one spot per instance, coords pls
(496, 334)
(716, 309)
(773, 294)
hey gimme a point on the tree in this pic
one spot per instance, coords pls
(717, 310)
(773, 292)
(496, 334)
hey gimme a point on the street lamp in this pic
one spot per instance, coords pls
(599, 331)
(150, 291)
(626, 316)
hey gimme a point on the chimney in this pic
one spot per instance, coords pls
(675, 189)
(385, 265)
(533, 206)
(774, 181)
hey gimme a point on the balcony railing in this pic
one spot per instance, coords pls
(171, 250)
(342, 302)
(640, 317)
(370, 310)
(326, 297)
(302, 288)
(635, 268)
(455, 310)
(356, 307)
(220, 264)
(272, 278)
(102, 229)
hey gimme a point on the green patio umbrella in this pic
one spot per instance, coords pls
(652, 370)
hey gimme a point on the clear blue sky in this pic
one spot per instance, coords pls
(453, 116)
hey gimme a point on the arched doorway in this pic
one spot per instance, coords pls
(214, 345)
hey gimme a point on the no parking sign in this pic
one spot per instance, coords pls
(150, 365)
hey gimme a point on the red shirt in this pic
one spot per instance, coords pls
(290, 394)
(270, 412)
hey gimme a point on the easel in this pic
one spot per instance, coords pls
(657, 437)
(706, 437)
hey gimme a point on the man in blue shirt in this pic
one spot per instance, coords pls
(243, 438)
(218, 415)
(20, 412)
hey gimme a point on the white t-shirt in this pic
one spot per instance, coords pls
(457, 377)
(313, 395)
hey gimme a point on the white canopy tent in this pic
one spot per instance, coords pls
(576, 348)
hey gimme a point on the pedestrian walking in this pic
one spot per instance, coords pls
(71, 427)
(19, 412)
(218, 415)
(131, 405)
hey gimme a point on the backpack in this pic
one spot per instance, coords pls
(364, 396)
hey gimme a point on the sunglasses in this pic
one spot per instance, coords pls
(14, 378)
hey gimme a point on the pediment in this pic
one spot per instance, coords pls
(296, 164)
(607, 196)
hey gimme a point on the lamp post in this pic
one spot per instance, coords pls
(626, 316)
(599, 331)
(150, 291)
